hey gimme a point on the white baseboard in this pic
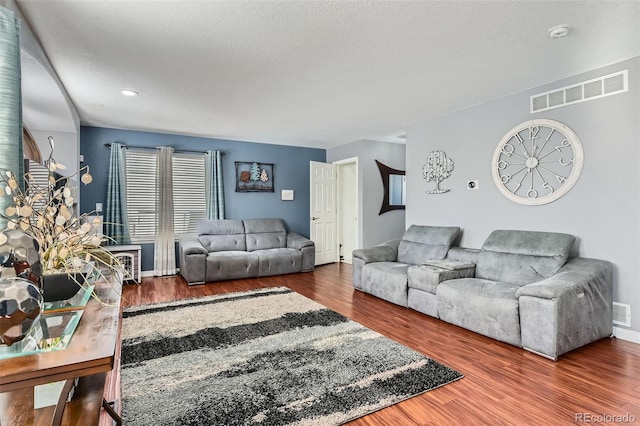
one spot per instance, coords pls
(626, 334)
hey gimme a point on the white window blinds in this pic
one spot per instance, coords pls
(189, 204)
(141, 194)
(188, 193)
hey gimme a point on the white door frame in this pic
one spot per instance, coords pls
(359, 226)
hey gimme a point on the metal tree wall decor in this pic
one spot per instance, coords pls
(254, 177)
(437, 169)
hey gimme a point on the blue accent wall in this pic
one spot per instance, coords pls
(290, 171)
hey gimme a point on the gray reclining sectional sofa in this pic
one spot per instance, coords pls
(231, 249)
(521, 287)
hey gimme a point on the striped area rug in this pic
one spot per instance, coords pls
(264, 357)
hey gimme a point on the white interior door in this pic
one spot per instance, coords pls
(323, 211)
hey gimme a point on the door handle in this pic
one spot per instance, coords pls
(315, 218)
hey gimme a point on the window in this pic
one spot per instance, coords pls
(141, 194)
(38, 176)
(189, 201)
(188, 193)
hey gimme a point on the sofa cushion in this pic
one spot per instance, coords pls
(229, 265)
(522, 257)
(484, 306)
(221, 235)
(278, 261)
(420, 243)
(264, 234)
(386, 280)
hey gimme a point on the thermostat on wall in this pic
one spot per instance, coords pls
(287, 194)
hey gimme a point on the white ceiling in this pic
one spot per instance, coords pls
(319, 73)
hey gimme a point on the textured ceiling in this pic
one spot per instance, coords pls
(319, 73)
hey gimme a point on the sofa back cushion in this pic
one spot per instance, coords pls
(221, 235)
(265, 234)
(522, 257)
(422, 243)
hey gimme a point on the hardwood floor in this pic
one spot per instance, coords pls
(503, 385)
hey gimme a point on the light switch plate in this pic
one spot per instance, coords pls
(286, 194)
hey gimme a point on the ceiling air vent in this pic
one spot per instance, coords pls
(607, 85)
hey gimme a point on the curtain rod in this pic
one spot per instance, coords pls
(108, 145)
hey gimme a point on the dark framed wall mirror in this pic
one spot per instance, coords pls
(394, 185)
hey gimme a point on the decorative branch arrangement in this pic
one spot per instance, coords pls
(46, 213)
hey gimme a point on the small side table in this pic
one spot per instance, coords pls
(129, 256)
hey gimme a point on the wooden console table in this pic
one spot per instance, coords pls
(89, 356)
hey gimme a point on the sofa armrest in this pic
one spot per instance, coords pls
(297, 241)
(189, 244)
(556, 286)
(193, 259)
(385, 252)
(306, 246)
(568, 310)
(577, 276)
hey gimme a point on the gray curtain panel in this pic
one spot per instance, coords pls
(11, 100)
(213, 184)
(116, 222)
(165, 254)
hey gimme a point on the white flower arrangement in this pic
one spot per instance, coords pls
(46, 212)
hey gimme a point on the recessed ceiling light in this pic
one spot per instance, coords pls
(559, 31)
(128, 92)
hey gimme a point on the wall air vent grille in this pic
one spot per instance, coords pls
(622, 314)
(607, 85)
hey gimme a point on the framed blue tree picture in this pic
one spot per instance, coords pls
(254, 177)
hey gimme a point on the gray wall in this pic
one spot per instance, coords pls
(602, 209)
(375, 228)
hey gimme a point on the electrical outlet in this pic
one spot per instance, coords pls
(98, 207)
(472, 184)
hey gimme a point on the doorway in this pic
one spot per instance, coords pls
(347, 204)
(336, 208)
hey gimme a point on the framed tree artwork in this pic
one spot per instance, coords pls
(254, 177)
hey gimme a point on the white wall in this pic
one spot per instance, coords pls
(66, 149)
(348, 209)
(603, 208)
(376, 228)
(47, 109)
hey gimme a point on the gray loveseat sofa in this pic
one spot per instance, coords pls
(231, 249)
(525, 291)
